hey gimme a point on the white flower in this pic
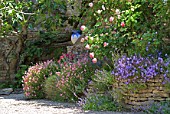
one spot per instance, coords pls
(99, 11)
(103, 7)
(117, 11)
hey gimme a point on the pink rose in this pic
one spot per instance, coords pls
(86, 38)
(111, 19)
(82, 28)
(91, 4)
(91, 55)
(82, 40)
(94, 60)
(87, 46)
(122, 24)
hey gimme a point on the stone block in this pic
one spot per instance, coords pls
(6, 91)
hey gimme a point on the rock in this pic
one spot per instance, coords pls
(6, 91)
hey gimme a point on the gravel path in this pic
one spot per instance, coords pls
(17, 104)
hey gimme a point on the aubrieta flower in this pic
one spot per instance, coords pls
(140, 68)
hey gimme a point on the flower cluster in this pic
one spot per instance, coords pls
(71, 75)
(34, 78)
(136, 67)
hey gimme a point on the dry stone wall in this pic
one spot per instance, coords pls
(154, 91)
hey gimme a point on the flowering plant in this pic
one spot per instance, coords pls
(34, 78)
(120, 26)
(137, 68)
(72, 78)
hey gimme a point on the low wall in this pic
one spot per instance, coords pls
(154, 90)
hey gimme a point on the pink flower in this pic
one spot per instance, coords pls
(61, 57)
(122, 24)
(105, 44)
(86, 38)
(91, 4)
(58, 73)
(87, 46)
(82, 40)
(82, 28)
(91, 55)
(111, 19)
(94, 60)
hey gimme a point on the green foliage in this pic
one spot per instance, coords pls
(51, 91)
(36, 50)
(19, 74)
(101, 103)
(158, 108)
(5, 85)
(126, 26)
(20, 16)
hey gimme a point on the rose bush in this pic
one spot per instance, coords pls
(124, 26)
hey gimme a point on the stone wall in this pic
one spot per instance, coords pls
(8, 52)
(8, 56)
(154, 91)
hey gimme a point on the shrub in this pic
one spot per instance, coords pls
(100, 102)
(34, 78)
(71, 80)
(126, 26)
(98, 96)
(51, 91)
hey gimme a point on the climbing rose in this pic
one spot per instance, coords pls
(82, 28)
(122, 24)
(86, 38)
(111, 19)
(87, 46)
(91, 4)
(91, 55)
(82, 39)
(94, 60)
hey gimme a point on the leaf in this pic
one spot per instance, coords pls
(98, 24)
